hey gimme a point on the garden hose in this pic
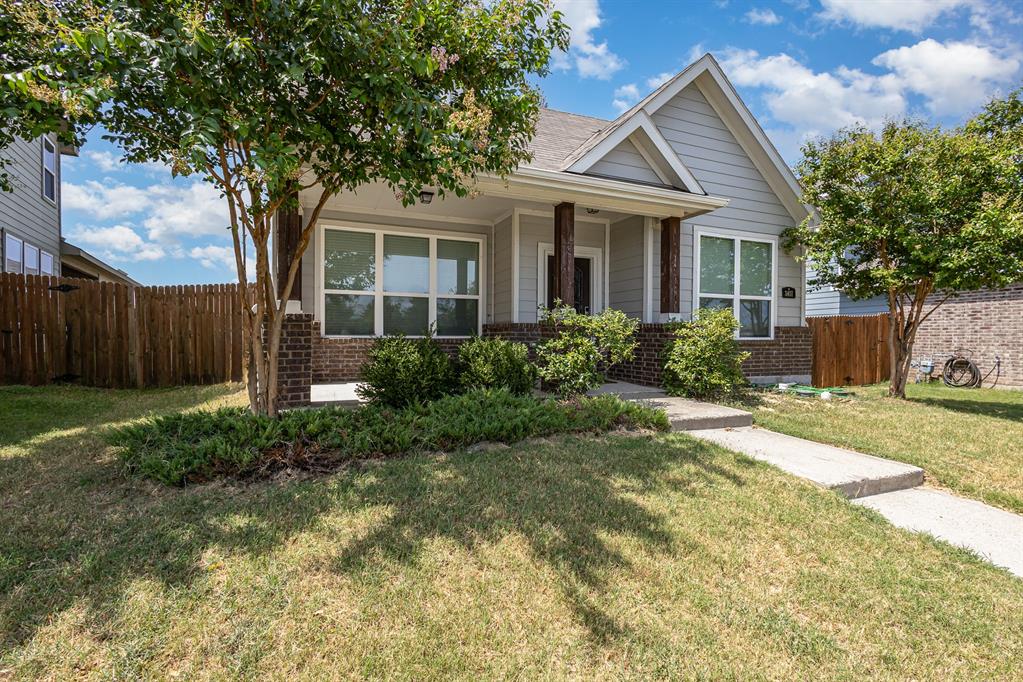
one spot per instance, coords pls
(961, 372)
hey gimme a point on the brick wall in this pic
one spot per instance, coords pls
(789, 353)
(295, 360)
(988, 322)
(341, 360)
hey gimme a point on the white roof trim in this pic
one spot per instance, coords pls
(642, 131)
(705, 72)
(534, 184)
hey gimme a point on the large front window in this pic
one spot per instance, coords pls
(380, 282)
(738, 274)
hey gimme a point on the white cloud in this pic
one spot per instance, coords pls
(118, 242)
(591, 59)
(765, 17)
(190, 210)
(902, 15)
(221, 258)
(812, 101)
(625, 97)
(172, 211)
(660, 79)
(108, 162)
(954, 77)
(103, 201)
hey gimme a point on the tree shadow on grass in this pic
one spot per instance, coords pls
(77, 533)
(1012, 411)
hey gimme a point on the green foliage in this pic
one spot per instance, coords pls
(403, 371)
(586, 346)
(196, 446)
(495, 363)
(704, 359)
(914, 211)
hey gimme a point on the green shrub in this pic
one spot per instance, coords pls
(704, 359)
(403, 371)
(495, 363)
(586, 347)
(198, 446)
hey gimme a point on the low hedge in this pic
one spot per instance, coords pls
(197, 446)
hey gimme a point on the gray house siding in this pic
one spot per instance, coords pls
(626, 266)
(826, 300)
(625, 162)
(25, 212)
(706, 146)
(502, 270)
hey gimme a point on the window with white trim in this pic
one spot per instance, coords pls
(738, 274)
(45, 263)
(379, 283)
(31, 259)
(13, 254)
(49, 170)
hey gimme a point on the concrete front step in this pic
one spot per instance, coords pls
(851, 473)
(691, 415)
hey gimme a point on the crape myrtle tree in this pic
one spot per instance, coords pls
(917, 215)
(267, 98)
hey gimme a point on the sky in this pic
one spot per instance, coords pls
(804, 67)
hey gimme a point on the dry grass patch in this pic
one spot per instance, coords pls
(611, 557)
(970, 441)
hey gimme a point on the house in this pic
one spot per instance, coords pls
(986, 323)
(677, 203)
(31, 241)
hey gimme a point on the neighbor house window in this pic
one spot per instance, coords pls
(49, 170)
(738, 274)
(378, 283)
(45, 263)
(13, 254)
(31, 260)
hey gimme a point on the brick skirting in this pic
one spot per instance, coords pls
(987, 322)
(307, 358)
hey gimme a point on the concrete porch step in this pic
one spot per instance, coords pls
(851, 473)
(692, 415)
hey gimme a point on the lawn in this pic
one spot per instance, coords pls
(571, 557)
(967, 440)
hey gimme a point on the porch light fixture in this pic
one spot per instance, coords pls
(425, 197)
(593, 211)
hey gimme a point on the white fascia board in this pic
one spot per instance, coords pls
(639, 121)
(545, 186)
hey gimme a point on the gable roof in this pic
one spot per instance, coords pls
(592, 138)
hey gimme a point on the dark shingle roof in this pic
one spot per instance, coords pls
(558, 134)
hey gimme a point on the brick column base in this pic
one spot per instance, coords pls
(295, 362)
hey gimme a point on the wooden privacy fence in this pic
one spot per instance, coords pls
(850, 350)
(117, 336)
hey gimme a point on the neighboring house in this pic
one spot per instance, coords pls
(30, 223)
(678, 203)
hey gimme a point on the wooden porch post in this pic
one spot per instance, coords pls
(671, 237)
(564, 253)
(287, 230)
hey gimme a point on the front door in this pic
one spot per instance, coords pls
(583, 302)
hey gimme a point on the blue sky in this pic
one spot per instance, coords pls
(805, 68)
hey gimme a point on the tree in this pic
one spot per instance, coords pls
(917, 215)
(266, 98)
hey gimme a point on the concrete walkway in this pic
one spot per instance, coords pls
(888, 487)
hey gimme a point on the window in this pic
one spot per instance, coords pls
(49, 170)
(379, 282)
(12, 254)
(738, 274)
(45, 263)
(31, 260)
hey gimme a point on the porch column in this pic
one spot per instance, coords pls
(564, 252)
(287, 231)
(671, 238)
